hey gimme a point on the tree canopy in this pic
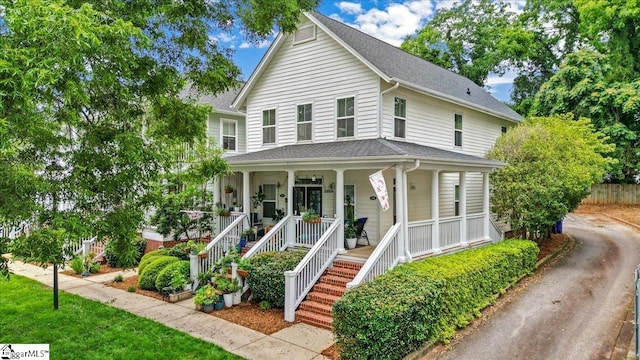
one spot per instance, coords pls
(541, 184)
(578, 56)
(90, 100)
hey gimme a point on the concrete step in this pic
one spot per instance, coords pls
(314, 319)
(316, 307)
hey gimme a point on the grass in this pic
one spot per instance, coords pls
(86, 329)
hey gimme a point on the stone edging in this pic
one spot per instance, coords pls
(428, 347)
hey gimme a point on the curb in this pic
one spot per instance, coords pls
(416, 355)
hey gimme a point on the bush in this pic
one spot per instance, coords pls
(396, 313)
(118, 278)
(147, 278)
(77, 265)
(112, 258)
(266, 279)
(131, 288)
(164, 276)
(148, 258)
(181, 251)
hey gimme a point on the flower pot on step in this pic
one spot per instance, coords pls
(351, 243)
(228, 300)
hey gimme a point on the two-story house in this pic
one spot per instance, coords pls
(327, 107)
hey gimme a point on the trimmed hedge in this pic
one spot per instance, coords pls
(164, 276)
(147, 278)
(148, 258)
(266, 279)
(423, 301)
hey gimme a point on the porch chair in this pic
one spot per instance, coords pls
(360, 232)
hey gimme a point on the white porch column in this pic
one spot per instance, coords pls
(435, 210)
(485, 204)
(246, 193)
(463, 207)
(340, 208)
(216, 200)
(400, 200)
(291, 225)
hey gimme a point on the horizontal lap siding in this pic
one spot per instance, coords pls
(316, 72)
(214, 131)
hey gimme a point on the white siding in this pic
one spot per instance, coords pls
(430, 122)
(214, 131)
(419, 195)
(317, 72)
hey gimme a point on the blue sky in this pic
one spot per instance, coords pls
(390, 21)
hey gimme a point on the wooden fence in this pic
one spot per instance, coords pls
(623, 194)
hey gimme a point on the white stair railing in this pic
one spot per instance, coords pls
(475, 227)
(229, 237)
(274, 240)
(299, 281)
(420, 237)
(385, 257)
(307, 234)
(495, 232)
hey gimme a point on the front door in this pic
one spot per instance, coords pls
(307, 197)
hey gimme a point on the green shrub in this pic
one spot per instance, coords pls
(164, 276)
(112, 258)
(77, 265)
(94, 268)
(181, 251)
(148, 258)
(147, 278)
(266, 279)
(396, 313)
(118, 278)
(131, 288)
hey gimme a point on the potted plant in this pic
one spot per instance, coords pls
(247, 235)
(227, 287)
(278, 215)
(350, 235)
(228, 189)
(206, 296)
(178, 283)
(244, 266)
(221, 211)
(311, 217)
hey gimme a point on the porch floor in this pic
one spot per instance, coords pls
(360, 251)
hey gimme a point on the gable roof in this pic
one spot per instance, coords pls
(361, 151)
(221, 102)
(395, 65)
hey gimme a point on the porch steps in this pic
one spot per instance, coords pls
(316, 308)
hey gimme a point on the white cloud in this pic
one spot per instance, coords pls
(262, 44)
(394, 23)
(349, 7)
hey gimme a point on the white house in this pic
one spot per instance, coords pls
(327, 107)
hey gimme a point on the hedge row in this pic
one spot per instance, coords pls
(266, 279)
(148, 258)
(147, 277)
(396, 313)
(164, 276)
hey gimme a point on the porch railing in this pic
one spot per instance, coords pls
(495, 232)
(299, 281)
(420, 237)
(450, 231)
(385, 257)
(225, 221)
(229, 237)
(274, 240)
(307, 234)
(475, 227)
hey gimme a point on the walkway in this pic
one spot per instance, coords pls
(299, 341)
(579, 308)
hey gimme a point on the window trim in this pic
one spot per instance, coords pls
(457, 131)
(222, 135)
(315, 35)
(456, 200)
(353, 116)
(274, 126)
(397, 117)
(310, 122)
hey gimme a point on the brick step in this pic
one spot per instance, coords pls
(344, 272)
(316, 307)
(315, 319)
(334, 290)
(348, 264)
(335, 280)
(322, 298)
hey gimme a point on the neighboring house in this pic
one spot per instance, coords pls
(328, 106)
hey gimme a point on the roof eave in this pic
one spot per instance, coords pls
(455, 100)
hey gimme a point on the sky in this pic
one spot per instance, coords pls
(390, 21)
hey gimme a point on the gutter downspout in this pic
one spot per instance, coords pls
(394, 87)
(405, 204)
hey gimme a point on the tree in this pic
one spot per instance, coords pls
(552, 162)
(90, 100)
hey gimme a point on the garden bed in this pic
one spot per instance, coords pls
(104, 269)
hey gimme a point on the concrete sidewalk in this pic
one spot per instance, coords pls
(299, 341)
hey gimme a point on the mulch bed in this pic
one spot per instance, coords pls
(104, 269)
(549, 246)
(133, 281)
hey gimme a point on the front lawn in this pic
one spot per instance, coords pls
(86, 329)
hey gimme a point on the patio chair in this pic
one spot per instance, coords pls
(360, 232)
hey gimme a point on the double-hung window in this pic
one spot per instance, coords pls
(400, 118)
(269, 201)
(269, 126)
(305, 122)
(457, 132)
(229, 135)
(346, 117)
(456, 200)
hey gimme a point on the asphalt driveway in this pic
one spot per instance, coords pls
(571, 310)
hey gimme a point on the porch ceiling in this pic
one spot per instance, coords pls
(367, 151)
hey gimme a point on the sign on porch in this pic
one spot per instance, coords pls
(380, 187)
